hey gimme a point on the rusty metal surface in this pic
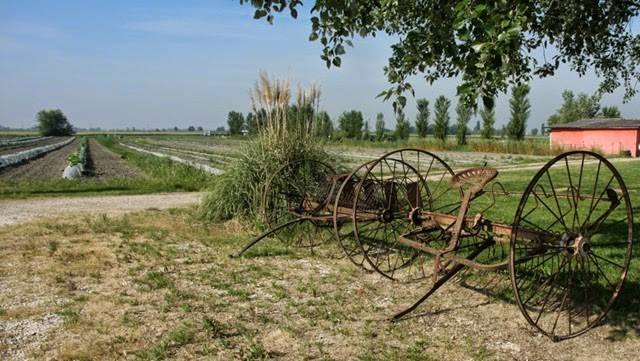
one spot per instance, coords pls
(402, 193)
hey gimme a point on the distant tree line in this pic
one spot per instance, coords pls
(352, 124)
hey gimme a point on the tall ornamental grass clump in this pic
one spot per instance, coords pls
(285, 133)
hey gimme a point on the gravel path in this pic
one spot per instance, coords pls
(106, 164)
(21, 210)
(51, 165)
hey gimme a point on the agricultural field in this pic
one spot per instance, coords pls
(219, 152)
(108, 171)
(159, 284)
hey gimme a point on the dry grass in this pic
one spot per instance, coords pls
(157, 285)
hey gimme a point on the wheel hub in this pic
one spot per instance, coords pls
(386, 216)
(576, 245)
(415, 216)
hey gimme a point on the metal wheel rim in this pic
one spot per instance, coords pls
(423, 179)
(624, 268)
(271, 223)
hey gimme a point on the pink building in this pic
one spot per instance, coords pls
(609, 136)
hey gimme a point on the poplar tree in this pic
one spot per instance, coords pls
(488, 116)
(463, 113)
(379, 127)
(422, 118)
(441, 115)
(520, 110)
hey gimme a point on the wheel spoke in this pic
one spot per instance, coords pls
(607, 260)
(566, 294)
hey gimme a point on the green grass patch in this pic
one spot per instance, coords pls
(182, 336)
(156, 281)
(70, 315)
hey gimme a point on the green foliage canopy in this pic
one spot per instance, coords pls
(441, 115)
(323, 125)
(520, 110)
(488, 116)
(402, 126)
(488, 44)
(53, 123)
(422, 118)
(351, 124)
(251, 123)
(611, 112)
(463, 114)
(574, 108)
(235, 121)
(379, 127)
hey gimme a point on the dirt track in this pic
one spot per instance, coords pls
(22, 210)
(51, 165)
(106, 164)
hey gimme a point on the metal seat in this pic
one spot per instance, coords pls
(475, 178)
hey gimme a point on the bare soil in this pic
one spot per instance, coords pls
(104, 164)
(50, 165)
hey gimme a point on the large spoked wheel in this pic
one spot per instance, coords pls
(342, 215)
(390, 198)
(300, 189)
(566, 281)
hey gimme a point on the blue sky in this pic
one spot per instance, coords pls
(157, 64)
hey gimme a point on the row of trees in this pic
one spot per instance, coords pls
(239, 124)
(351, 124)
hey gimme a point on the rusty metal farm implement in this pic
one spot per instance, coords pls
(408, 216)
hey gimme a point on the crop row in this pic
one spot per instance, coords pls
(20, 141)
(198, 165)
(26, 155)
(6, 145)
(77, 161)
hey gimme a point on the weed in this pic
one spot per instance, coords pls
(239, 293)
(176, 339)
(156, 280)
(144, 249)
(416, 352)
(70, 315)
(214, 328)
(255, 352)
(279, 291)
(182, 336)
(52, 246)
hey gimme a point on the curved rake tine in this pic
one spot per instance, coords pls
(264, 235)
(493, 193)
(439, 283)
(544, 192)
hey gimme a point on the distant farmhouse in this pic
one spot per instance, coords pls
(609, 136)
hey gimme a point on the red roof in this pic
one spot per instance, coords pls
(600, 123)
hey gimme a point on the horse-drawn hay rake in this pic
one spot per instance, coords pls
(408, 216)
